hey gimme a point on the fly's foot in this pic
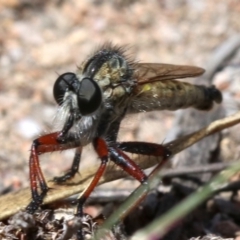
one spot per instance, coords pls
(62, 179)
(36, 202)
(32, 207)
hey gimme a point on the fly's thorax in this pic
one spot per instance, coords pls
(111, 70)
(113, 81)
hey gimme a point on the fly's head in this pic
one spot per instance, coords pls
(76, 98)
(104, 81)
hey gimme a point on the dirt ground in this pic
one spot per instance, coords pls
(41, 39)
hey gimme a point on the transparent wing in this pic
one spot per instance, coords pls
(152, 72)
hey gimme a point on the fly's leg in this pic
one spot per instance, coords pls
(145, 148)
(127, 164)
(73, 170)
(118, 157)
(44, 144)
(121, 159)
(48, 143)
(101, 148)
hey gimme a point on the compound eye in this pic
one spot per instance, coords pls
(89, 96)
(63, 83)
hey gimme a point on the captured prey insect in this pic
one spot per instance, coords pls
(92, 104)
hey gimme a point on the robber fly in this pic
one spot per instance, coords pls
(92, 104)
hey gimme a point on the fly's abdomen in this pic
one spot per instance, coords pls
(173, 95)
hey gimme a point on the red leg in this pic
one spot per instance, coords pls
(122, 160)
(127, 164)
(145, 148)
(46, 143)
(102, 150)
(118, 157)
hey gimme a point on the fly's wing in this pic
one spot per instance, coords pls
(152, 72)
(156, 89)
